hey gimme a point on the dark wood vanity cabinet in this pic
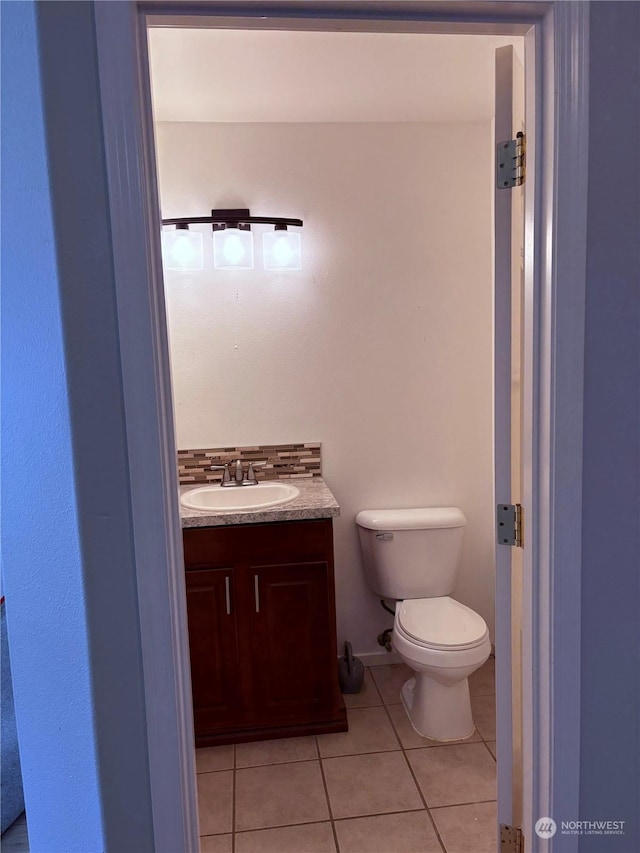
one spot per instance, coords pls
(261, 612)
(213, 647)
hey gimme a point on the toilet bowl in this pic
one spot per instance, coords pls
(444, 642)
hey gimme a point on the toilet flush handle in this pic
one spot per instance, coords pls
(386, 537)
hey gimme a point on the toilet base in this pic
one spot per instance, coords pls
(437, 711)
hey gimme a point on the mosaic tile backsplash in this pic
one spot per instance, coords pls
(280, 461)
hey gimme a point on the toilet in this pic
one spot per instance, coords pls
(412, 556)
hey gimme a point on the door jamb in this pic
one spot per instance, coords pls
(556, 324)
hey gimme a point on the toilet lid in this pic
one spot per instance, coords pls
(441, 623)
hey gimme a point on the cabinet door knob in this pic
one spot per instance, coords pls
(256, 590)
(227, 594)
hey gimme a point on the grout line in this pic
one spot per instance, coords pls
(326, 793)
(216, 834)
(489, 751)
(276, 763)
(440, 744)
(233, 805)
(209, 772)
(380, 814)
(400, 748)
(375, 687)
(375, 683)
(358, 754)
(394, 730)
(478, 732)
(417, 784)
(351, 817)
(281, 826)
(457, 805)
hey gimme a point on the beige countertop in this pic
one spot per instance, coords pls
(314, 501)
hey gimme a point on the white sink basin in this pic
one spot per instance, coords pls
(238, 498)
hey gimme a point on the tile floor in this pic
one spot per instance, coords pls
(378, 788)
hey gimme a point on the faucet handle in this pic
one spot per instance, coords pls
(251, 474)
(226, 477)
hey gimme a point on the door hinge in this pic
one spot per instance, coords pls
(511, 839)
(510, 162)
(509, 524)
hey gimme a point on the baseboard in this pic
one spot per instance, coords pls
(379, 658)
(382, 658)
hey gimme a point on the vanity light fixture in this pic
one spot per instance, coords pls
(281, 249)
(182, 249)
(232, 248)
(233, 241)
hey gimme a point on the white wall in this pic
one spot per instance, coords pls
(381, 347)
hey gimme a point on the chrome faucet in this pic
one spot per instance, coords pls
(238, 478)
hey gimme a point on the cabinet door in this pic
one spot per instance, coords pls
(294, 668)
(213, 646)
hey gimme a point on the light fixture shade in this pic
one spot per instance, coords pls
(282, 250)
(233, 249)
(182, 250)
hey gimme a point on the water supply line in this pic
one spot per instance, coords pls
(384, 639)
(387, 608)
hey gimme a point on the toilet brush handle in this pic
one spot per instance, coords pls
(348, 653)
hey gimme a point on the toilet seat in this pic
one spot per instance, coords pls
(442, 624)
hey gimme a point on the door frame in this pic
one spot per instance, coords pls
(555, 256)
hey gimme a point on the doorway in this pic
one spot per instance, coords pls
(167, 430)
(381, 347)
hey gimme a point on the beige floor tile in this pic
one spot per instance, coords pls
(216, 844)
(368, 696)
(482, 682)
(492, 747)
(214, 758)
(370, 784)
(450, 775)
(279, 795)
(275, 751)
(369, 731)
(308, 838)
(407, 832)
(483, 709)
(389, 680)
(410, 738)
(215, 795)
(467, 829)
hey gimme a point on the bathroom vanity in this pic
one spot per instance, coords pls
(261, 614)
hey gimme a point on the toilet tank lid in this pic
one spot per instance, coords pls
(418, 518)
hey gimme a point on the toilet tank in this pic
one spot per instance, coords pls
(411, 553)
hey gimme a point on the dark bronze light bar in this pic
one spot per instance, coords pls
(232, 241)
(232, 218)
